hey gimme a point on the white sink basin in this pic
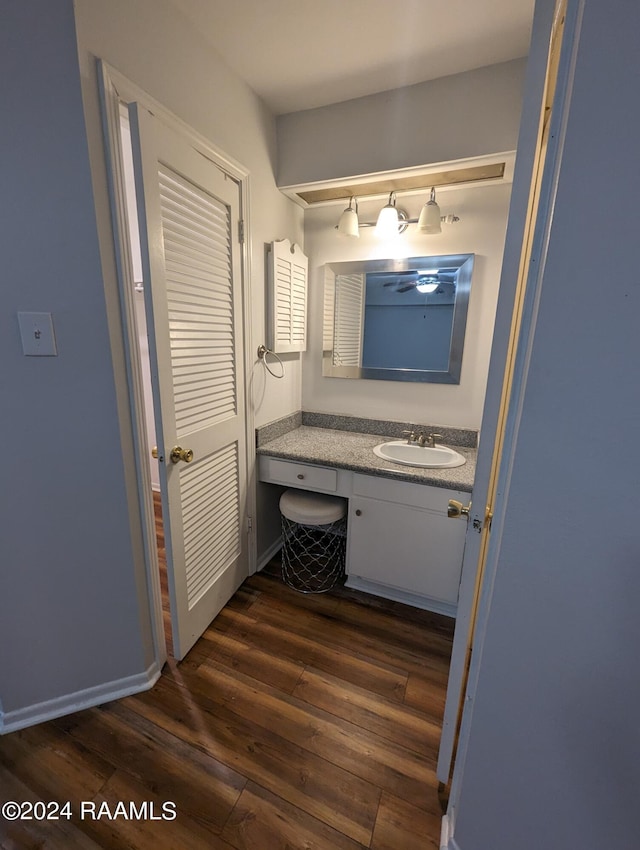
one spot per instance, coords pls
(410, 454)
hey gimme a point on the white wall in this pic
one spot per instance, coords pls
(483, 212)
(454, 117)
(159, 50)
(552, 757)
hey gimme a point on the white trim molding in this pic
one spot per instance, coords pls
(40, 712)
(447, 841)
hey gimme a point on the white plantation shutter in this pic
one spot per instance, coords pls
(288, 271)
(349, 298)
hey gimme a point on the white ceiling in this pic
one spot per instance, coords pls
(299, 54)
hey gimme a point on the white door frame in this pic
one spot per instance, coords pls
(115, 90)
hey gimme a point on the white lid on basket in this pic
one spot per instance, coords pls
(312, 508)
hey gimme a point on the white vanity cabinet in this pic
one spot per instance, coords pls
(400, 543)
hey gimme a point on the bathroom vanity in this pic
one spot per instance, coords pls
(400, 543)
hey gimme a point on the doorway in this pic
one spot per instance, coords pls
(186, 350)
(152, 482)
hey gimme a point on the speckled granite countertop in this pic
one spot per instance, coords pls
(354, 451)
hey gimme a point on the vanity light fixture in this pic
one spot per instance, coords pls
(348, 224)
(392, 220)
(429, 221)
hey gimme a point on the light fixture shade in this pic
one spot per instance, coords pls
(429, 221)
(348, 224)
(388, 221)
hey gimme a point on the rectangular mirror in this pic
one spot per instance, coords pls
(396, 320)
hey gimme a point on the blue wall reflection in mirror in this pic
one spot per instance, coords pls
(408, 319)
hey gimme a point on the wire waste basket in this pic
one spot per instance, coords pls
(314, 533)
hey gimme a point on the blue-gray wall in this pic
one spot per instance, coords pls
(551, 759)
(69, 605)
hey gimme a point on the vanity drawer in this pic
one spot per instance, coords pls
(303, 475)
(406, 493)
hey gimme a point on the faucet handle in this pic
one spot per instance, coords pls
(431, 438)
(412, 436)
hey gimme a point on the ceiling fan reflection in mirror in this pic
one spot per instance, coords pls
(423, 280)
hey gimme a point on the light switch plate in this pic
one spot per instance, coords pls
(36, 331)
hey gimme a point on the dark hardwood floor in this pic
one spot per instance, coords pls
(295, 722)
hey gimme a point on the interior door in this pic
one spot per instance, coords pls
(188, 214)
(499, 388)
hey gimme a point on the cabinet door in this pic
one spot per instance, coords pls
(407, 548)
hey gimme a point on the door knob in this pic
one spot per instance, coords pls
(178, 454)
(456, 509)
(154, 452)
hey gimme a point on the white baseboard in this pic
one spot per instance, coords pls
(444, 833)
(397, 595)
(11, 721)
(447, 841)
(264, 559)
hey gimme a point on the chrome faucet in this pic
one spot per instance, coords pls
(428, 440)
(412, 438)
(422, 439)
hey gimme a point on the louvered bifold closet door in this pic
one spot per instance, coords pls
(192, 215)
(349, 303)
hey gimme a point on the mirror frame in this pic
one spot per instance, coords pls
(459, 325)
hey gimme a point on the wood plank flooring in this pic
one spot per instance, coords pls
(295, 722)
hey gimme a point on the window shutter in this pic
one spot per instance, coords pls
(288, 271)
